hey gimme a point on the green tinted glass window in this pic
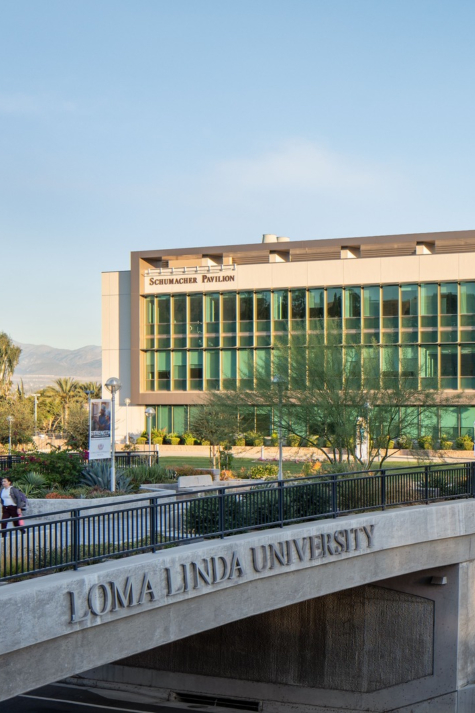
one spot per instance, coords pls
(316, 303)
(263, 306)
(448, 298)
(429, 299)
(299, 304)
(334, 295)
(229, 307)
(281, 304)
(212, 307)
(467, 298)
(352, 302)
(246, 307)
(409, 300)
(179, 309)
(196, 308)
(371, 296)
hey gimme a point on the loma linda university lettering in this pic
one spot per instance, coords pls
(207, 572)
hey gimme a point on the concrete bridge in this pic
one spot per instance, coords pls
(366, 612)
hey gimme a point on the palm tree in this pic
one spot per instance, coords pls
(94, 388)
(66, 390)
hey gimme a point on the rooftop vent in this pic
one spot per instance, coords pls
(269, 238)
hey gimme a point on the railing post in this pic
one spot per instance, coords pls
(426, 483)
(280, 501)
(383, 489)
(128, 459)
(334, 495)
(9, 461)
(153, 522)
(75, 514)
(472, 479)
(221, 504)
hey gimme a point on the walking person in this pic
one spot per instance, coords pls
(12, 499)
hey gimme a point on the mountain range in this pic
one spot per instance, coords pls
(40, 360)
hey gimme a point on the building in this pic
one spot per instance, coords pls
(186, 321)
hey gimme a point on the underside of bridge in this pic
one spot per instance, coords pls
(390, 646)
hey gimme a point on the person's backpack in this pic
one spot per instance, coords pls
(23, 500)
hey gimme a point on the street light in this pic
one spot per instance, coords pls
(113, 385)
(127, 402)
(149, 412)
(36, 396)
(10, 420)
(280, 383)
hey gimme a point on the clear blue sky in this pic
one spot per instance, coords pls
(152, 123)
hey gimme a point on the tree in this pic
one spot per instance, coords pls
(9, 358)
(94, 387)
(23, 424)
(212, 423)
(66, 391)
(77, 429)
(324, 396)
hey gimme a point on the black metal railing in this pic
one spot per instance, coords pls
(123, 459)
(73, 537)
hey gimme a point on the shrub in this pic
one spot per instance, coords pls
(445, 444)
(269, 471)
(425, 442)
(150, 474)
(33, 484)
(240, 441)
(274, 439)
(188, 438)
(293, 440)
(464, 443)
(405, 442)
(58, 496)
(253, 438)
(60, 468)
(140, 440)
(98, 474)
(227, 475)
(174, 440)
(157, 441)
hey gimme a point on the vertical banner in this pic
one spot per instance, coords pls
(100, 429)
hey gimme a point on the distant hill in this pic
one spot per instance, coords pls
(41, 360)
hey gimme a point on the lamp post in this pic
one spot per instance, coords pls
(113, 385)
(280, 383)
(10, 420)
(127, 402)
(149, 412)
(36, 396)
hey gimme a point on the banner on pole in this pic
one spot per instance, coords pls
(100, 429)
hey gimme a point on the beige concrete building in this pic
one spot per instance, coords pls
(183, 322)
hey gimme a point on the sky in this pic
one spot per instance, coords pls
(145, 124)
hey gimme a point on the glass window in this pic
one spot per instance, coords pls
(281, 304)
(149, 371)
(263, 363)
(467, 367)
(165, 418)
(212, 370)
(390, 365)
(196, 370)
(371, 296)
(409, 300)
(429, 367)
(229, 307)
(390, 301)
(246, 368)
(163, 371)
(429, 299)
(179, 370)
(448, 298)
(179, 419)
(467, 419)
(150, 310)
(179, 309)
(316, 302)
(263, 305)
(212, 307)
(299, 303)
(429, 423)
(371, 368)
(467, 297)
(449, 422)
(246, 310)
(334, 302)
(196, 313)
(409, 366)
(352, 302)
(163, 309)
(448, 367)
(228, 368)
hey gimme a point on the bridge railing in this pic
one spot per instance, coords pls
(79, 536)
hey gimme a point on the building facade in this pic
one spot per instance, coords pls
(184, 322)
